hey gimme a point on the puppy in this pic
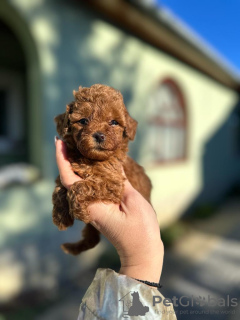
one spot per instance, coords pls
(96, 128)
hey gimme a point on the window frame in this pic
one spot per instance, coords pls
(183, 124)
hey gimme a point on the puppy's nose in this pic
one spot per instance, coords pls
(99, 136)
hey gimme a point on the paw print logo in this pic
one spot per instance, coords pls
(200, 301)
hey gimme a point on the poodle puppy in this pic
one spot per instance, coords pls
(96, 128)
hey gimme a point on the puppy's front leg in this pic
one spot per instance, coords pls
(79, 195)
(82, 193)
(60, 214)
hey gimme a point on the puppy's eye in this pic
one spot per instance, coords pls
(113, 123)
(83, 121)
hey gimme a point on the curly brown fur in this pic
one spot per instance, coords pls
(96, 128)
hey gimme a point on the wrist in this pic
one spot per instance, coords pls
(144, 267)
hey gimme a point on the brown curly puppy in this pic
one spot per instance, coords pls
(96, 128)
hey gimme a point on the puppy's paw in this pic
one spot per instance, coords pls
(62, 227)
(62, 221)
(70, 248)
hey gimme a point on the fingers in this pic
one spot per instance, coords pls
(127, 185)
(132, 201)
(128, 191)
(68, 177)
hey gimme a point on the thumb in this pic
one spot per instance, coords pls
(68, 177)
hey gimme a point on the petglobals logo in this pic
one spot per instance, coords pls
(198, 305)
(185, 301)
(132, 306)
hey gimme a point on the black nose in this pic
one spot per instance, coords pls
(99, 136)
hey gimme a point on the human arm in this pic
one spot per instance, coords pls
(132, 227)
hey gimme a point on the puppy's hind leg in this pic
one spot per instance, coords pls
(60, 214)
(91, 238)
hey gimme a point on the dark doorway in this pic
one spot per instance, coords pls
(13, 107)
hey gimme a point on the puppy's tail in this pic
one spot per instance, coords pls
(91, 238)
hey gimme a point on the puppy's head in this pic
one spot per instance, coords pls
(97, 122)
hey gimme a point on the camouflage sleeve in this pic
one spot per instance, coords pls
(115, 296)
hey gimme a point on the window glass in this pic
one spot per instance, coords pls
(166, 132)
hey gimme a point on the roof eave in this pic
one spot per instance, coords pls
(157, 33)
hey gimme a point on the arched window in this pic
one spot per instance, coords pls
(167, 123)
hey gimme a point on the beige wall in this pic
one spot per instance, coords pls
(208, 105)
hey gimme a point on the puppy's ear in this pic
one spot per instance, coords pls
(62, 121)
(131, 127)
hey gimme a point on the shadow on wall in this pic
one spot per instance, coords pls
(220, 163)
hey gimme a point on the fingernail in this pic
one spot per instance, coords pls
(56, 139)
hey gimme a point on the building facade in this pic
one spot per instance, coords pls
(185, 101)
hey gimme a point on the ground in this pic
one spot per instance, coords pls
(204, 262)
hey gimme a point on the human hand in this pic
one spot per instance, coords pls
(131, 226)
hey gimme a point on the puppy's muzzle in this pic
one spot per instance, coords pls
(99, 137)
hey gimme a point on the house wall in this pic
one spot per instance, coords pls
(76, 47)
(209, 106)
